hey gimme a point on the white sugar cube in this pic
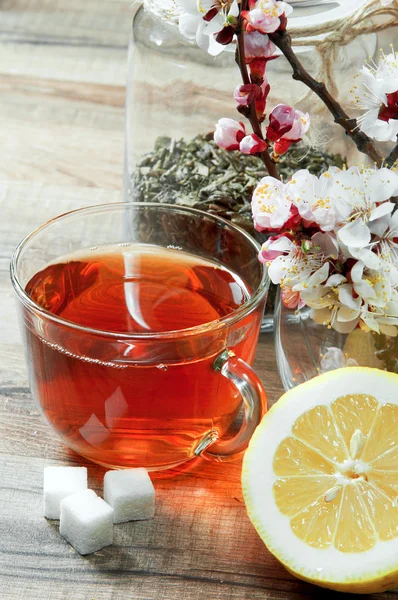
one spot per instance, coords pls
(60, 482)
(86, 522)
(130, 493)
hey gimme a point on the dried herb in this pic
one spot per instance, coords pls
(199, 174)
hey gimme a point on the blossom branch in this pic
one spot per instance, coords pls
(392, 157)
(282, 40)
(252, 116)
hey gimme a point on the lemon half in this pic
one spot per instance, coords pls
(320, 480)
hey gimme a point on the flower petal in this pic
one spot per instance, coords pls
(347, 327)
(382, 184)
(346, 298)
(365, 290)
(322, 316)
(390, 330)
(314, 280)
(334, 358)
(380, 211)
(346, 314)
(369, 258)
(276, 270)
(357, 271)
(319, 276)
(316, 298)
(335, 280)
(370, 321)
(380, 226)
(327, 243)
(282, 244)
(188, 25)
(355, 234)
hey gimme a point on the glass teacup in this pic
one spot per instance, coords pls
(140, 322)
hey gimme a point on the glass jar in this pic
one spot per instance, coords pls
(176, 93)
(305, 349)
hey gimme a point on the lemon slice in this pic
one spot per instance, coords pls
(320, 480)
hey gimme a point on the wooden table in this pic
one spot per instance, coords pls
(62, 72)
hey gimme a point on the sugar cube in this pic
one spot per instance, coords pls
(60, 482)
(130, 493)
(86, 522)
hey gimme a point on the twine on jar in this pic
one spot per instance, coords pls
(341, 32)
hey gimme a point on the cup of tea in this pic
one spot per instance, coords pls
(140, 323)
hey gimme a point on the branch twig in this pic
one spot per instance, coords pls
(265, 157)
(392, 157)
(282, 40)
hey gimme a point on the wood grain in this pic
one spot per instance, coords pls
(62, 74)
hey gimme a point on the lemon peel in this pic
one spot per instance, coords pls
(320, 480)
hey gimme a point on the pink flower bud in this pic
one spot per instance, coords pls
(300, 127)
(229, 133)
(258, 51)
(252, 144)
(257, 69)
(245, 94)
(258, 45)
(266, 16)
(289, 298)
(281, 121)
(282, 146)
(262, 99)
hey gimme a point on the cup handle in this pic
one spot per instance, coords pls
(255, 402)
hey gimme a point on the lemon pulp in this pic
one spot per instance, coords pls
(337, 474)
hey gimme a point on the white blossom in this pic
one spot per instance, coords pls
(346, 271)
(334, 358)
(300, 127)
(265, 15)
(312, 197)
(368, 300)
(377, 98)
(258, 45)
(385, 246)
(229, 133)
(194, 26)
(298, 270)
(270, 204)
(360, 197)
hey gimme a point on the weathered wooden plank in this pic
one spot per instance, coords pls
(74, 41)
(60, 23)
(62, 74)
(54, 133)
(199, 527)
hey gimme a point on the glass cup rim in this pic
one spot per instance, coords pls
(231, 318)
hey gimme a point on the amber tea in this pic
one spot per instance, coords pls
(139, 408)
